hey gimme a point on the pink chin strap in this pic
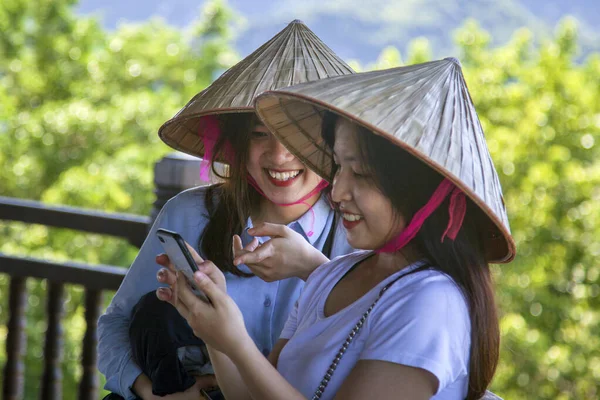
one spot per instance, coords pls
(209, 131)
(456, 210)
(320, 186)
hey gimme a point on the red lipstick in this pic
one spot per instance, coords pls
(350, 224)
(279, 183)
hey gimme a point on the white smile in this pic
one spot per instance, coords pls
(283, 176)
(351, 217)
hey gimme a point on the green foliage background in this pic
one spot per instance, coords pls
(79, 111)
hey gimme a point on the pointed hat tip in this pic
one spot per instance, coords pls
(297, 21)
(454, 60)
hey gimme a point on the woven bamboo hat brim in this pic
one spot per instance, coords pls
(425, 109)
(295, 55)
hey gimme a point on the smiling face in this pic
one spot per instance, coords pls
(280, 175)
(368, 215)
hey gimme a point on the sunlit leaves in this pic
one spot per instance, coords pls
(79, 113)
(80, 108)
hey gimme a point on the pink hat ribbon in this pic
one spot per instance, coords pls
(209, 130)
(456, 210)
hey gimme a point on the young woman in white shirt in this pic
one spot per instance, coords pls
(413, 315)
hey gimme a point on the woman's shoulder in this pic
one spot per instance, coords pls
(429, 283)
(186, 210)
(428, 294)
(194, 198)
(422, 321)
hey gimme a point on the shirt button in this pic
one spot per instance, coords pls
(267, 302)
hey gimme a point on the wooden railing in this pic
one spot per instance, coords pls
(172, 174)
(95, 279)
(127, 226)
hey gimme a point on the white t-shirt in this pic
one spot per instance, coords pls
(421, 321)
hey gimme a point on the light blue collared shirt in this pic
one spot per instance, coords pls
(264, 305)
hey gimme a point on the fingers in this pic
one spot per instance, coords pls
(210, 288)
(185, 295)
(252, 245)
(239, 251)
(163, 259)
(213, 272)
(237, 246)
(168, 295)
(164, 294)
(167, 277)
(257, 256)
(268, 229)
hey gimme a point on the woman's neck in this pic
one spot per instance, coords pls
(276, 214)
(389, 263)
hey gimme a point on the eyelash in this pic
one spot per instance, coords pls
(258, 134)
(356, 174)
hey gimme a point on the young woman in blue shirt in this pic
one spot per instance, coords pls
(268, 200)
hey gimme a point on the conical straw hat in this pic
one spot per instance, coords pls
(425, 109)
(295, 55)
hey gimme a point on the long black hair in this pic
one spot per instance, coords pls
(230, 203)
(409, 185)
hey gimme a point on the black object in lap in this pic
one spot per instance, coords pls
(113, 396)
(156, 331)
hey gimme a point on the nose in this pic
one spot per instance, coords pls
(278, 154)
(340, 190)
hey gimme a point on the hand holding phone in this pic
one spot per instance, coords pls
(180, 256)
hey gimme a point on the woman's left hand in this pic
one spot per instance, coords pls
(220, 324)
(287, 254)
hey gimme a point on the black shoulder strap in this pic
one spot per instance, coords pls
(424, 267)
(330, 236)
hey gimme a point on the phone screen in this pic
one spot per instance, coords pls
(182, 259)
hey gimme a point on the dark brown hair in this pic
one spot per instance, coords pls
(409, 187)
(229, 204)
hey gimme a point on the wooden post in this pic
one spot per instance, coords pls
(53, 348)
(173, 174)
(15, 341)
(88, 387)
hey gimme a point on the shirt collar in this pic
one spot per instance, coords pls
(304, 224)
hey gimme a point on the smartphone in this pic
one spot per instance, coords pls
(212, 394)
(180, 256)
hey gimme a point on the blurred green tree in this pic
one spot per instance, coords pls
(79, 112)
(80, 107)
(541, 115)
